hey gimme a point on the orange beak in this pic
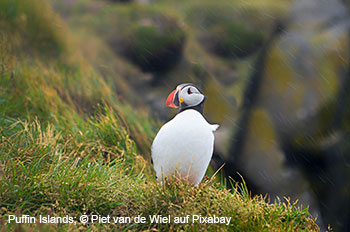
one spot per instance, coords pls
(170, 99)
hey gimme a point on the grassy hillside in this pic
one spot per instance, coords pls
(97, 171)
(70, 146)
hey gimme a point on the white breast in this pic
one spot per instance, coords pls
(184, 145)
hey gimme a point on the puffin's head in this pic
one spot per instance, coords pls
(185, 96)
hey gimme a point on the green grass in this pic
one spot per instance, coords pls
(35, 25)
(61, 90)
(88, 172)
(70, 146)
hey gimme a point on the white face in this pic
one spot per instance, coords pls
(190, 95)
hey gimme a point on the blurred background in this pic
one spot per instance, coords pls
(275, 73)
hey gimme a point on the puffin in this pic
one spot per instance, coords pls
(184, 146)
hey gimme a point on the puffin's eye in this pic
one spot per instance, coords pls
(189, 91)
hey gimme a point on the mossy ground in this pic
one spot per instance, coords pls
(70, 146)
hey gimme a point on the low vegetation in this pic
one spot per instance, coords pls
(155, 43)
(96, 171)
(233, 40)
